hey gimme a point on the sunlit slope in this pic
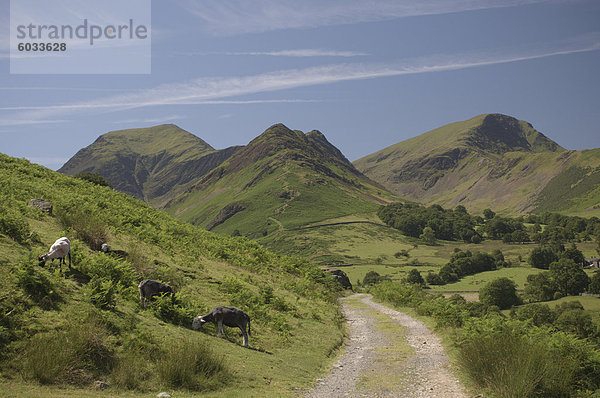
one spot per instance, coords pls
(280, 180)
(291, 302)
(490, 161)
(153, 164)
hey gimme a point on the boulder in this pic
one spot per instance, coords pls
(341, 277)
(41, 204)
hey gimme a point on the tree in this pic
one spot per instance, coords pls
(570, 279)
(434, 279)
(577, 322)
(538, 314)
(541, 257)
(574, 254)
(540, 287)
(428, 236)
(94, 178)
(488, 214)
(594, 286)
(501, 292)
(414, 277)
(372, 278)
(498, 257)
(461, 209)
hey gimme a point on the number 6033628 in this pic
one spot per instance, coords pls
(42, 46)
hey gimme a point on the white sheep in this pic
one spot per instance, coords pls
(60, 249)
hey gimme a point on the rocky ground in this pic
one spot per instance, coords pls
(389, 354)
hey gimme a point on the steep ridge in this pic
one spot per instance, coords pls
(152, 164)
(490, 161)
(283, 178)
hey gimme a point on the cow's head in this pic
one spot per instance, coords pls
(198, 322)
(42, 259)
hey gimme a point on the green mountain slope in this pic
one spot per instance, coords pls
(490, 161)
(153, 164)
(67, 330)
(282, 179)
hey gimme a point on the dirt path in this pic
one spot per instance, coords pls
(389, 354)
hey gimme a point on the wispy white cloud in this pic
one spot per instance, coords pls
(108, 104)
(217, 90)
(25, 122)
(84, 89)
(163, 119)
(249, 16)
(305, 52)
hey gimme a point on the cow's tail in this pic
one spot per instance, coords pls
(249, 333)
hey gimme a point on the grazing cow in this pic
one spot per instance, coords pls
(229, 316)
(120, 254)
(149, 288)
(59, 249)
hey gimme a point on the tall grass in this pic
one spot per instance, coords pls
(72, 356)
(192, 365)
(511, 365)
(88, 227)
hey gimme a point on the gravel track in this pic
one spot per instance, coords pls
(365, 371)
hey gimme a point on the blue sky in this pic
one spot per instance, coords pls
(367, 74)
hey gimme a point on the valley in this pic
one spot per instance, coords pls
(256, 226)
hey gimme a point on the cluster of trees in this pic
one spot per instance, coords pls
(564, 278)
(464, 263)
(543, 256)
(563, 228)
(434, 222)
(430, 223)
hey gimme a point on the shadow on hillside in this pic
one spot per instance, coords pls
(79, 277)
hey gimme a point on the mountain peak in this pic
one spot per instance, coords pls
(148, 163)
(498, 133)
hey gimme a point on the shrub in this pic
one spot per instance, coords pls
(107, 268)
(13, 225)
(75, 355)
(103, 293)
(443, 311)
(37, 285)
(501, 292)
(414, 277)
(191, 365)
(398, 294)
(538, 314)
(87, 226)
(433, 279)
(95, 178)
(130, 371)
(577, 322)
(402, 253)
(171, 311)
(512, 365)
(372, 278)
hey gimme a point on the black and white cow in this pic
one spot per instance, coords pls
(149, 288)
(228, 316)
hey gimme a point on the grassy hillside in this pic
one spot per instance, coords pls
(61, 332)
(489, 161)
(153, 164)
(282, 180)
